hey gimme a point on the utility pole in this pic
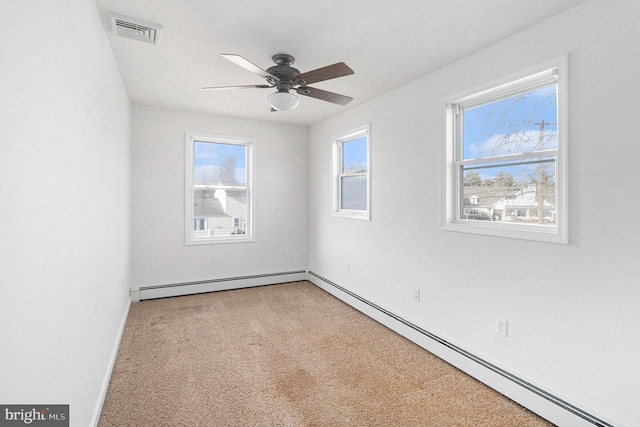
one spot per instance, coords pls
(541, 173)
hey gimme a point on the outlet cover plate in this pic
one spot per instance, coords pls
(501, 326)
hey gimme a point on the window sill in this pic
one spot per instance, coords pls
(220, 240)
(538, 233)
(353, 215)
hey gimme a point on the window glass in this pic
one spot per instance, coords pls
(497, 188)
(219, 164)
(354, 157)
(218, 192)
(522, 123)
(354, 192)
(506, 158)
(351, 174)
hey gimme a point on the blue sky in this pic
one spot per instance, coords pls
(206, 153)
(355, 153)
(209, 159)
(509, 126)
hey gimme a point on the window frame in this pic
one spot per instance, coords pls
(191, 138)
(337, 173)
(528, 79)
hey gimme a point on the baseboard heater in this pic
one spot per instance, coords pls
(568, 413)
(213, 285)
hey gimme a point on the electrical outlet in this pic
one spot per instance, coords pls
(348, 267)
(214, 259)
(501, 327)
(416, 295)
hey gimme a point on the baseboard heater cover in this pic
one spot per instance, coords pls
(566, 406)
(212, 285)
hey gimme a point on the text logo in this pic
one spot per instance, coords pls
(34, 415)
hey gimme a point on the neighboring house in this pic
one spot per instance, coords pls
(219, 212)
(510, 204)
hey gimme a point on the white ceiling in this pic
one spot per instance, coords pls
(387, 43)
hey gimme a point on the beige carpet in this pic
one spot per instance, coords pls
(286, 355)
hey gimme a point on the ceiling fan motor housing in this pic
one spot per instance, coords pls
(284, 72)
(285, 78)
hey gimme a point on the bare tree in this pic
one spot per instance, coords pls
(516, 127)
(472, 178)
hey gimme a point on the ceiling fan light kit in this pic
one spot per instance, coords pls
(283, 101)
(285, 78)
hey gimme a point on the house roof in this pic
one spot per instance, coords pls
(487, 195)
(499, 197)
(207, 206)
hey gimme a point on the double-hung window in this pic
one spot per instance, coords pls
(506, 157)
(218, 189)
(351, 174)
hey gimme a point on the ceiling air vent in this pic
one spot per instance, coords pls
(135, 29)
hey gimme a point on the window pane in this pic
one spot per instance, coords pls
(520, 124)
(354, 193)
(219, 164)
(517, 192)
(220, 212)
(354, 156)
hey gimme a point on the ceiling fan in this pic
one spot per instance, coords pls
(285, 78)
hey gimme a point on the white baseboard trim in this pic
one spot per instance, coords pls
(213, 285)
(537, 400)
(112, 362)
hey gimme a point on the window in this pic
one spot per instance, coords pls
(505, 157)
(351, 175)
(218, 189)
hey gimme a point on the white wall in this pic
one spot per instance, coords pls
(159, 253)
(573, 310)
(64, 218)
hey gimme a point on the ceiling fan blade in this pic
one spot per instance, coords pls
(325, 73)
(324, 95)
(237, 87)
(247, 65)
